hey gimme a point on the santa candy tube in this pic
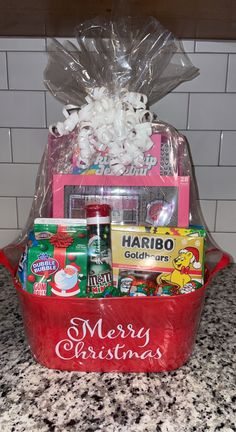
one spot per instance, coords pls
(99, 249)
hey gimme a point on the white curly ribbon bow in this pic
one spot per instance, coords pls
(116, 126)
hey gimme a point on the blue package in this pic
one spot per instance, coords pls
(21, 274)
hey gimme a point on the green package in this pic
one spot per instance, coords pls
(57, 260)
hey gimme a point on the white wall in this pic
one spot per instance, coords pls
(205, 109)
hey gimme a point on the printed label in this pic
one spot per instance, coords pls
(161, 260)
(81, 330)
(98, 283)
(40, 288)
(43, 265)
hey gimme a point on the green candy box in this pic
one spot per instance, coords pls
(57, 259)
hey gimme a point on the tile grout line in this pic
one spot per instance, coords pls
(215, 199)
(7, 71)
(201, 92)
(182, 130)
(19, 163)
(45, 110)
(227, 73)
(24, 127)
(214, 166)
(8, 86)
(17, 213)
(23, 51)
(21, 196)
(11, 146)
(188, 106)
(215, 219)
(215, 232)
(196, 165)
(220, 146)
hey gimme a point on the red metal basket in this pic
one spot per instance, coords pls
(125, 334)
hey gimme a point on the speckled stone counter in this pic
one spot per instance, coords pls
(198, 397)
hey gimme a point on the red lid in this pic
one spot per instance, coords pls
(98, 210)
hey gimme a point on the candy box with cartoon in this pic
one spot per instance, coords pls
(57, 259)
(157, 261)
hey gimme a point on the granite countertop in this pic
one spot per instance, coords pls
(199, 397)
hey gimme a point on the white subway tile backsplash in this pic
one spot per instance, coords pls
(205, 108)
(188, 45)
(17, 179)
(208, 210)
(8, 216)
(204, 146)
(28, 144)
(212, 111)
(54, 109)
(3, 71)
(23, 206)
(22, 44)
(228, 148)
(22, 109)
(226, 216)
(216, 182)
(25, 70)
(231, 79)
(227, 242)
(5, 145)
(216, 46)
(173, 109)
(63, 40)
(209, 66)
(7, 236)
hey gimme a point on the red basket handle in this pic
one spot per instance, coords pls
(222, 263)
(6, 263)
